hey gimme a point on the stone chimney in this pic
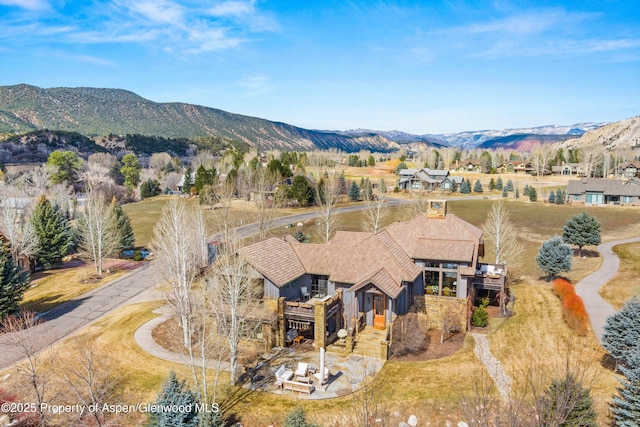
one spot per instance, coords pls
(437, 209)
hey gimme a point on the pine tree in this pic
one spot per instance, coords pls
(188, 180)
(526, 190)
(465, 187)
(492, 184)
(477, 188)
(354, 192)
(302, 191)
(297, 418)
(582, 230)
(517, 194)
(174, 392)
(533, 194)
(559, 197)
(499, 183)
(149, 188)
(131, 171)
(552, 197)
(53, 232)
(509, 186)
(301, 236)
(382, 186)
(626, 407)
(567, 403)
(123, 225)
(343, 183)
(505, 193)
(621, 336)
(13, 283)
(554, 257)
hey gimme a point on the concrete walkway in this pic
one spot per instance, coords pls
(597, 308)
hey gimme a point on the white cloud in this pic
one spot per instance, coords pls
(27, 4)
(158, 11)
(232, 8)
(255, 84)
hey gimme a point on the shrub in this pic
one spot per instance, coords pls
(137, 255)
(573, 310)
(480, 316)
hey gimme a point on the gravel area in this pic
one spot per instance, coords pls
(502, 381)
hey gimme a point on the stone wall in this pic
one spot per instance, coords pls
(437, 308)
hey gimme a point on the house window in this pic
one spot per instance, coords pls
(450, 266)
(449, 284)
(576, 197)
(319, 286)
(594, 198)
(627, 199)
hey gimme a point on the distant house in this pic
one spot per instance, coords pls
(630, 170)
(599, 191)
(567, 169)
(180, 184)
(516, 166)
(470, 165)
(427, 179)
(360, 280)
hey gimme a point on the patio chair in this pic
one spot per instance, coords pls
(322, 379)
(283, 374)
(302, 369)
(304, 293)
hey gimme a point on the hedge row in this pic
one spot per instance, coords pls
(573, 309)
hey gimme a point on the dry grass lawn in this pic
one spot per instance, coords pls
(625, 284)
(53, 287)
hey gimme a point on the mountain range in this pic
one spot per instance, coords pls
(101, 112)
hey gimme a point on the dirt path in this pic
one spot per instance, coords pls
(597, 308)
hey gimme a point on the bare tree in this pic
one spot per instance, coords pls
(327, 199)
(502, 235)
(99, 235)
(591, 156)
(89, 377)
(376, 210)
(18, 230)
(159, 161)
(178, 248)
(418, 205)
(39, 179)
(259, 182)
(105, 160)
(25, 337)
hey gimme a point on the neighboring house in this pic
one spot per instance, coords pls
(362, 279)
(516, 166)
(470, 165)
(600, 191)
(180, 184)
(567, 169)
(426, 179)
(630, 170)
(18, 205)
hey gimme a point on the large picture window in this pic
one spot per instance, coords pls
(441, 278)
(319, 286)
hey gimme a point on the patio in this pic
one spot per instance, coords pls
(347, 372)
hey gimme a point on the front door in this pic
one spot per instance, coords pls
(379, 311)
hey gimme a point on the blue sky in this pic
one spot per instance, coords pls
(416, 66)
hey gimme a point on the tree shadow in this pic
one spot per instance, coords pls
(43, 304)
(608, 362)
(586, 253)
(64, 308)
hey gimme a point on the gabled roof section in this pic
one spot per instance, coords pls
(609, 187)
(382, 280)
(275, 259)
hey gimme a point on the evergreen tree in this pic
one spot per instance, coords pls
(582, 230)
(505, 193)
(13, 283)
(517, 194)
(509, 186)
(525, 192)
(465, 187)
(130, 169)
(552, 197)
(477, 188)
(492, 184)
(174, 392)
(188, 180)
(533, 194)
(301, 236)
(401, 165)
(626, 407)
(354, 192)
(54, 233)
(621, 336)
(382, 186)
(343, 183)
(301, 191)
(499, 183)
(559, 197)
(66, 164)
(149, 188)
(567, 403)
(321, 190)
(204, 177)
(297, 418)
(554, 257)
(371, 161)
(123, 226)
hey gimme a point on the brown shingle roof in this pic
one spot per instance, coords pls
(609, 187)
(275, 259)
(382, 280)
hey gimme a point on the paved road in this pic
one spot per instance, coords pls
(597, 308)
(69, 317)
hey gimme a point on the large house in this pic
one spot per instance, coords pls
(359, 279)
(630, 170)
(567, 169)
(428, 179)
(600, 191)
(516, 166)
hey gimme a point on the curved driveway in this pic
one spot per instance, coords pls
(597, 308)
